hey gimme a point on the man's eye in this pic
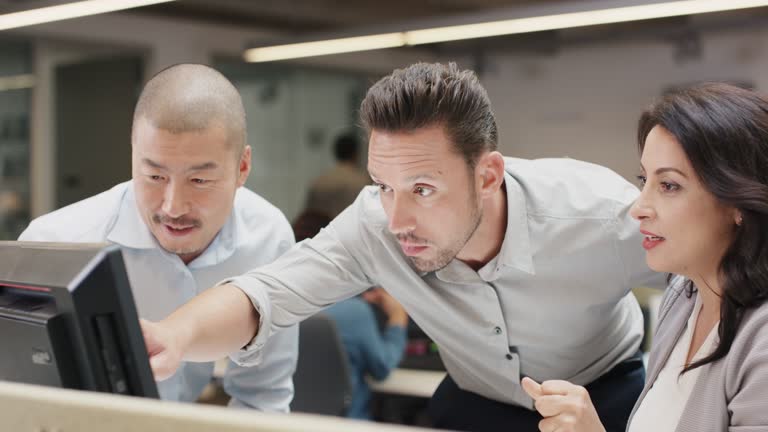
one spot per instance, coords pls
(423, 191)
(199, 181)
(155, 177)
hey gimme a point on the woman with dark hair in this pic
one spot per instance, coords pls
(704, 212)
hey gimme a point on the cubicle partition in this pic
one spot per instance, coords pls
(25, 407)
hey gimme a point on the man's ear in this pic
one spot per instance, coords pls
(490, 173)
(244, 166)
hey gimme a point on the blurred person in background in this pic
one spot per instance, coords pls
(333, 191)
(371, 352)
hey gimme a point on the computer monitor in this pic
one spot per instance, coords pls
(67, 319)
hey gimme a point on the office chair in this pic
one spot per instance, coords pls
(321, 382)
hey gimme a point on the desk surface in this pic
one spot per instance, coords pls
(34, 408)
(409, 382)
(406, 382)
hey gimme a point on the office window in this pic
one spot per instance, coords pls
(16, 81)
(294, 114)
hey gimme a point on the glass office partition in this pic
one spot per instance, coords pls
(16, 82)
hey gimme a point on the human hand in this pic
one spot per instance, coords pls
(565, 407)
(163, 350)
(394, 310)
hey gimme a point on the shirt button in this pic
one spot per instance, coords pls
(509, 356)
(497, 330)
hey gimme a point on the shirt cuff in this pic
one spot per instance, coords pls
(251, 354)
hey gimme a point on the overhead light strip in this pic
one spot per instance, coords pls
(16, 82)
(497, 28)
(69, 10)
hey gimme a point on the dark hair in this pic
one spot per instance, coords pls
(345, 148)
(309, 223)
(723, 131)
(427, 94)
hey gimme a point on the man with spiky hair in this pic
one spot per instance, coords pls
(513, 267)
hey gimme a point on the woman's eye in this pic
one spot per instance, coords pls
(641, 179)
(669, 187)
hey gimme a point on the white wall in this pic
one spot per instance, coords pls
(292, 135)
(585, 101)
(582, 102)
(164, 42)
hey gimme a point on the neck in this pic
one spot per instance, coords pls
(486, 242)
(188, 258)
(710, 293)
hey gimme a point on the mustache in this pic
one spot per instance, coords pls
(182, 221)
(411, 238)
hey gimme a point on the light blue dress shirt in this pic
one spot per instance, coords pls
(370, 351)
(255, 234)
(555, 303)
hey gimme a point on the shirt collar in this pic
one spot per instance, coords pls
(129, 230)
(515, 249)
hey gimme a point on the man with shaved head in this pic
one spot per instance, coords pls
(184, 221)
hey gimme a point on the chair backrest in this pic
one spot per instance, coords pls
(322, 382)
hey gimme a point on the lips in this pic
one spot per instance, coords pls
(178, 230)
(651, 240)
(411, 249)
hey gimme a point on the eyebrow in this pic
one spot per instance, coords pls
(412, 178)
(665, 169)
(201, 167)
(670, 169)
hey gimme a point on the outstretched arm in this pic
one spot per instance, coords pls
(217, 322)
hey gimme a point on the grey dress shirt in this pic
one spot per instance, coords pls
(554, 304)
(730, 394)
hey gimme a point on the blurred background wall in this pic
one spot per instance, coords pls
(65, 131)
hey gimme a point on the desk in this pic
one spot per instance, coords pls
(405, 382)
(409, 382)
(34, 408)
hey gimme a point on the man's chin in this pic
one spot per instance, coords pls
(178, 249)
(426, 266)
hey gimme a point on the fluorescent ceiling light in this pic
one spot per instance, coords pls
(499, 28)
(69, 10)
(333, 46)
(16, 82)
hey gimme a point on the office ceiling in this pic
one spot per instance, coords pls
(311, 16)
(298, 18)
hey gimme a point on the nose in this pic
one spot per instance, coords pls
(174, 200)
(401, 218)
(642, 209)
